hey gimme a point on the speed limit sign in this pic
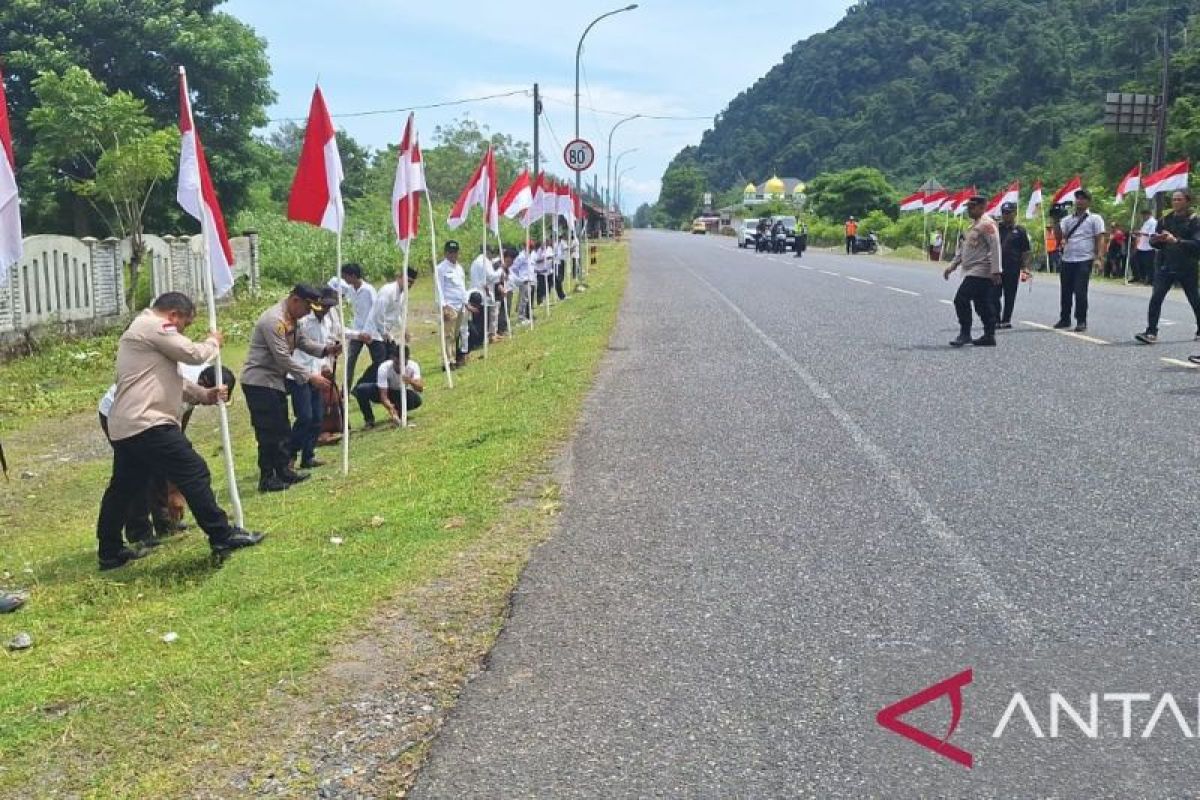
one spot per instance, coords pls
(579, 155)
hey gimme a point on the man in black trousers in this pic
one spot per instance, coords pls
(979, 258)
(1015, 256)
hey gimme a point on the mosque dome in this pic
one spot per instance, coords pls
(750, 189)
(775, 186)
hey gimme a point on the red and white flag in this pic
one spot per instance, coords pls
(579, 214)
(537, 206)
(1067, 193)
(479, 191)
(407, 188)
(1010, 195)
(935, 200)
(198, 197)
(914, 202)
(958, 204)
(518, 198)
(316, 196)
(565, 206)
(1035, 201)
(10, 202)
(1130, 183)
(1168, 179)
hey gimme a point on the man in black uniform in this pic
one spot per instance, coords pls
(1178, 242)
(1015, 255)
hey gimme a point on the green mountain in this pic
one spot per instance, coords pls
(967, 92)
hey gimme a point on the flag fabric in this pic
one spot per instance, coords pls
(579, 214)
(1035, 201)
(316, 196)
(11, 247)
(407, 188)
(565, 204)
(537, 199)
(1010, 195)
(1168, 179)
(935, 200)
(1067, 193)
(198, 197)
(518, 198)
(914, 202)
(1130, 183)
(958, 204)
(479, 191)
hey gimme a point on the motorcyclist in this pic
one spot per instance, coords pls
(801, 237)
(778, 236)
(760, 239)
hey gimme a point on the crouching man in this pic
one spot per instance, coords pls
(390, 382)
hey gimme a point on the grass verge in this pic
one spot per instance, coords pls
(102, 706)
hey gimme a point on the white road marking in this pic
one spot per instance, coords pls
(801, 266)
(1064, 332)
(1167, 322)
(946, 302)
(860, 280)
(960, 553)
(1176, 362)
(903, 291)
(827, 272)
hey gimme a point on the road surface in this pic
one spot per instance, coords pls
(793, 505)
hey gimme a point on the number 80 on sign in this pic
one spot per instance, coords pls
(579, 155)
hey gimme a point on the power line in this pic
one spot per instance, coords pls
(626, 113)
(444, 104)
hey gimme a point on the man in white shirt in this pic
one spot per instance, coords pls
(361, 296)
(521, 274)
(1082, 248)
(452, 297)
(387, 319)
(560, 267)
(1143, 256)
(308, 404)
(484, 278)
(389, 381)
(508, 257)
(543, 270)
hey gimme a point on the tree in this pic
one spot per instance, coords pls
(135, 46)
(644, 216)
(682, 191)
(284, 146)
(103, 148)
(457, 149)
(855, 192)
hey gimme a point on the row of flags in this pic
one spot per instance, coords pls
(1168, 179)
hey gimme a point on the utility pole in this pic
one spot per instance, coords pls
(537, 113)
(1160, 128)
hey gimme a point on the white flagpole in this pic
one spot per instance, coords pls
(544, 274)
(438, 292)
(346, 354)
(404, 322)
(486, 300)
(1045, 236)
(1130, 239)
(945, 241)
(235, 498)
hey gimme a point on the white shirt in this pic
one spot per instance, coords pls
(1082, 244)
(387, 378)
(452, 285)
(190, 372)
(319, 331)
(484, 276)
(521, 271)
(1149, 228)
(542, 263)
(387, 314)
(361, 299)
(560, 251)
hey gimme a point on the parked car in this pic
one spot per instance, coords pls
(699, 227)
(747, 232)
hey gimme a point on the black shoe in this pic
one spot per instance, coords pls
(1146, 338)
(1194, 359)
(121, 558)
(289, 476)
(236, 540)
(1081, 327)
(273, 483)
(987, 340)
(10, 603)
(149, 543)
(312, 464)
(1062, 323)
(962, 340)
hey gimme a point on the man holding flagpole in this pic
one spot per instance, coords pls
(1178, 240)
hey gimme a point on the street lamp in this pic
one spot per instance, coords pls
(608, 166)
(578, 55)
(619, 198)
(617, 168)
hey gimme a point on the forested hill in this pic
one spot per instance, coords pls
(966, 91)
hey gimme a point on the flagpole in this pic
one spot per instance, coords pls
(404, 323)
(544, 274)
(438, 286)
(486, 263)
(1129, 239)
(945, 242)
(345, 349)
(1045, 238)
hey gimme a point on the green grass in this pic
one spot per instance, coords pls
(102, 707)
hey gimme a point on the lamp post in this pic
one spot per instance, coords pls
(608, 167)
(617, 166)
(578, 56)
(619, 198)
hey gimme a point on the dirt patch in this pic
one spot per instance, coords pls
(362, 725)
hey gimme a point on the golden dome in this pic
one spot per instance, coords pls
(800, 187)
(750, 189)
(776, 186)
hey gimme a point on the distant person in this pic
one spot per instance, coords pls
(760, 235)
(387, 319)
(851, 235)
(1143, 255)
(361, 296)
(475, 321)
(393, 377)
(801, 238)
(452, 297)
(1015, 257)
(561, 251)
(980, 261)
(308, 403)
(1053, 256)
(1177, 239)
(521, 274)
(143, 426)
(935, 245)
(501, 292)
(1082, 244)
(1114, 258)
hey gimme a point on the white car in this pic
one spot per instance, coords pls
(747, 232)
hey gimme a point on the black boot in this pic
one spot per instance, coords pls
(237, 539)
(987, 340)
(964, 338)
(270, 482)
(290, 476)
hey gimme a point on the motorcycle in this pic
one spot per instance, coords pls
(866, 244)
(779, 242)
(762, 241)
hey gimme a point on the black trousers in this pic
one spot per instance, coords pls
(560, 272)
(1010, 281)
(272, 430)
(368, 393)
(1164, 279)
(1143, 265)
(377, 352)
(850, 245)
(160, 451)
(544, 280)
(1073, 285)
(978, 292)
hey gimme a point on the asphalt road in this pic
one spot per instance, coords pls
(793, 504)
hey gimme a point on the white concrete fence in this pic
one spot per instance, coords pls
(75, 283)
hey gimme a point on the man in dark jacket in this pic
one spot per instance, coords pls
(1178, 243)
(1014, 260)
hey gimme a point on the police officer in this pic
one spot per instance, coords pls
(267, 365)
(1015, 258)
(979, 259)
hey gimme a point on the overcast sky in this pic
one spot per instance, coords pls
(667, 57)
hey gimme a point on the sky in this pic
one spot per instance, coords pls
(677, 58)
